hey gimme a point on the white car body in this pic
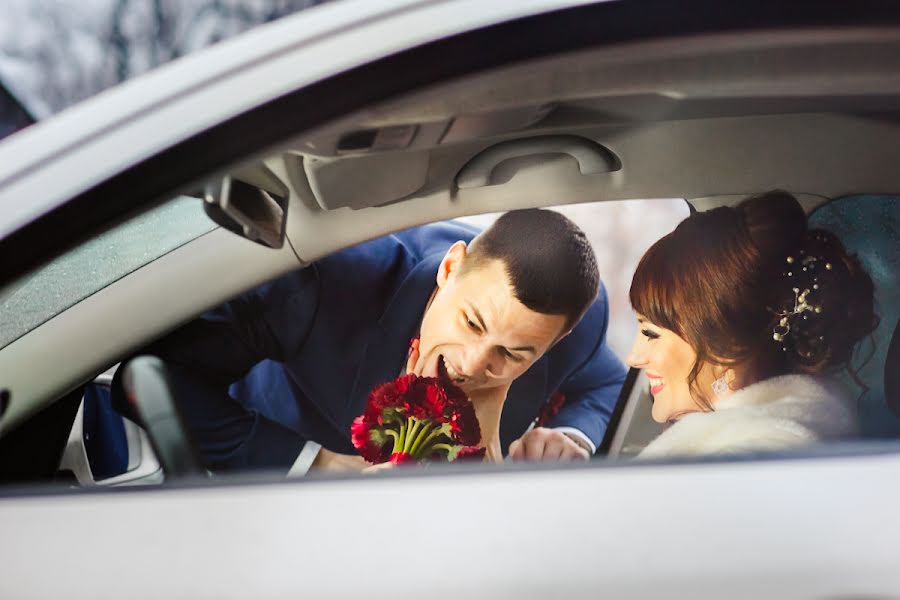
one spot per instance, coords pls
(818, 525)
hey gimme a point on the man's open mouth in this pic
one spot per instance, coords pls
(446, 371)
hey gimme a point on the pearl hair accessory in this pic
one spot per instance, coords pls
(801, 304)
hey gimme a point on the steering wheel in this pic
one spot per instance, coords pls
(152, 390)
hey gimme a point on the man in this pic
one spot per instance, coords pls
(514, 316)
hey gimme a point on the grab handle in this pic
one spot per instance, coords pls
(591, 157)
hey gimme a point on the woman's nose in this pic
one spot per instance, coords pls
(636, 357)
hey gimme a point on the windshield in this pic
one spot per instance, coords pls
(34, 299)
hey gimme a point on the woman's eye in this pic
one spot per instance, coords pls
(651, 335)
(472, 325)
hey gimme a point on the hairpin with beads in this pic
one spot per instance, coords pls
(801, 305)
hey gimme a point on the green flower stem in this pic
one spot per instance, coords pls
(400, 440)
(414, 425)
(423, 433)
(395, 435)
(432, 435)
(447, 447)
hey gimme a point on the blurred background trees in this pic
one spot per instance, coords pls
(54, 53)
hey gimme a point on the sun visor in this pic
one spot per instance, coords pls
(367, 180)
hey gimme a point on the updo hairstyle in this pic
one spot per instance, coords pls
(751, 285)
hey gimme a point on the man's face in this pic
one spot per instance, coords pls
(476, 326)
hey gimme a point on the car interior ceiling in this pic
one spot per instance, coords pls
(661, 109)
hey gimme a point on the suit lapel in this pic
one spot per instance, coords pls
(386, 348)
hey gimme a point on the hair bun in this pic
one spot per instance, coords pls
(827, 303)
(775, 222)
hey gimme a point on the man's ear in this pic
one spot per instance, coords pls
(451, 262)
(559, 339)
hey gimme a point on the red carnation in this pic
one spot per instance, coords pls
(359, 432)
(402, 458)
(471, 453)
(464, 425)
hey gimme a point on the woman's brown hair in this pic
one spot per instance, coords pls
(724, 281)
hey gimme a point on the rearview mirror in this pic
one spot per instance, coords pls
(249, 210)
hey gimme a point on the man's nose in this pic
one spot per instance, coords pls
(477, 361)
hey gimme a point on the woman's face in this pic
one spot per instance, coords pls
(667, 360)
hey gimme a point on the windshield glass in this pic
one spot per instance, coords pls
(75, 275)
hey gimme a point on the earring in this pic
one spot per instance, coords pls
(720, 386)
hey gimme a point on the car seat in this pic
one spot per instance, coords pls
(869, 226)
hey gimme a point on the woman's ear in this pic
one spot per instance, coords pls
(730, 378)
(451, 262)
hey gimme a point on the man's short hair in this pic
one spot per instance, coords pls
(549, 261)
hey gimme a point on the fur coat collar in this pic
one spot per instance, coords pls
(778, 413)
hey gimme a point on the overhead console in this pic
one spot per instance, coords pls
(375, 179)
(385, 162)
(399, 134)
(365, 180)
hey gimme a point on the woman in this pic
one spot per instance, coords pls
(742, 312)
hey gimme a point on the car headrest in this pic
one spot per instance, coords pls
(892, 372)
(869, 226)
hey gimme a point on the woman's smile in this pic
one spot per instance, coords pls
(667, 360)
(656, 383)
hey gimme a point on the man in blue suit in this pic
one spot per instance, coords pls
(513, 315)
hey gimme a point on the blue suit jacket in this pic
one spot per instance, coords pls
(306, 349)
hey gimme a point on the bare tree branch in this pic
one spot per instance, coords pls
(79, 52)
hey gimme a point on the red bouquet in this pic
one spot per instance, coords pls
(417, 419)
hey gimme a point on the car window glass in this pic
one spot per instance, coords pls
(301, 430)
(75, 275)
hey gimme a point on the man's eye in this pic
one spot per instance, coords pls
(509, 354)
(472, 325)
(651, 335)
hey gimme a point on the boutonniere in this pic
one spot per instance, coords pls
(550, 409)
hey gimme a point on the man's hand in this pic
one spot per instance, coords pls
(327, 460)
(417, 364)
(547, 444)
(379, 468)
